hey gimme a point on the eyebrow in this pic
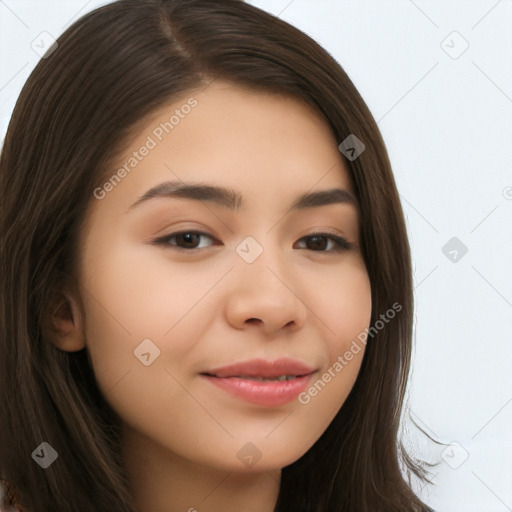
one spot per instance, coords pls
(233, 200)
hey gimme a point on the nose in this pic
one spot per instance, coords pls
(263, 295)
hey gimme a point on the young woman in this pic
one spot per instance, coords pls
(206, 298)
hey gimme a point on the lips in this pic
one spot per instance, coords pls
(261, 382)
(263, 369)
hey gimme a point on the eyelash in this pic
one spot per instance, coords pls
(342, 243)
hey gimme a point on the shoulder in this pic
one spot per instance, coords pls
(7, 500)
(10, 508)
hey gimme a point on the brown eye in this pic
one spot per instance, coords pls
(185, 240)
(319, 241)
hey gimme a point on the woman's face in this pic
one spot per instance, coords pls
(162, 310)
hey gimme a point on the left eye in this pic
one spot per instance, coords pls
(318, 241)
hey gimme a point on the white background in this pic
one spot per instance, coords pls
(446, 117)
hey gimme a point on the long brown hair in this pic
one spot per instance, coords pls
(77, 111)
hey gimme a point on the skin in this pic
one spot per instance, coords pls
(209, 308)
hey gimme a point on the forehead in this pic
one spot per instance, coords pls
(264, 145)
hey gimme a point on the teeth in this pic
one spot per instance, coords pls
(280, 378)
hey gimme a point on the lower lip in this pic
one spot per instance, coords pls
(270, 393)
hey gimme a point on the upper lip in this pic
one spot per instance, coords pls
(263, 368)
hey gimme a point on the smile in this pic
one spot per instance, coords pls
(263, 391)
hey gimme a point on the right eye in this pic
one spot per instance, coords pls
(188, 239)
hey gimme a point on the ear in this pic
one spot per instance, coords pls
(64, 325)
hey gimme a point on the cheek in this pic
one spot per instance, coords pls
(344, 305)
(130, 297)
(137, 295)
(148, 290)
(344, 309)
